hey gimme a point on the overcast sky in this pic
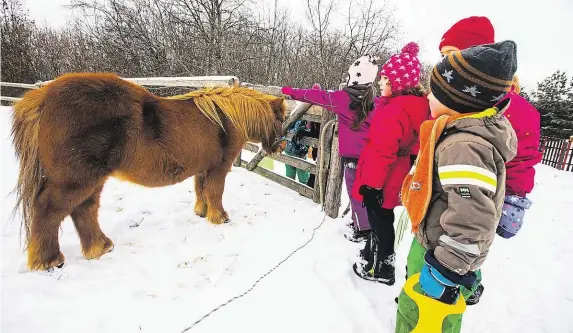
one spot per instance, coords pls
(541, 29)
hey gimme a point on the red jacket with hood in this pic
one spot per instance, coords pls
(385, 160)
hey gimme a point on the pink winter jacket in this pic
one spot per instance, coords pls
(526, 123)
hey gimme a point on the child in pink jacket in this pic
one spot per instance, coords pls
(353, 105)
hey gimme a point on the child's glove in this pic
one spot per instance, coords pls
(371, 197)
(441, 283)
(512, 215)
(287, 90)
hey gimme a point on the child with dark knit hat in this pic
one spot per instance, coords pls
(455, 192)
(385, 160)
(525, 120)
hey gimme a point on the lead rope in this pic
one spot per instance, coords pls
(256, 282)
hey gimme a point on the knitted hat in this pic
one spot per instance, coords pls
(468, 32)
(475, 79)
(403, 70)
(362, 71)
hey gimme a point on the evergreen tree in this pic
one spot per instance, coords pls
(554, 101)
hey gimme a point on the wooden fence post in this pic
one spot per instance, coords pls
(334, 182)
(323, 156)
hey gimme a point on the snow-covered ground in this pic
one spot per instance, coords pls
(170, 267)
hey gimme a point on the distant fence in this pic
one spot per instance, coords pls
(327, 169)
(557, 153)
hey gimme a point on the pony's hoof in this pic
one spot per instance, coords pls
(99, 248)
(219, 219)
(201, 210)
(37, 264)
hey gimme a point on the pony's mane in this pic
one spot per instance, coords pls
(248, 110)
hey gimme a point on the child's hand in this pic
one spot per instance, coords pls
(287, 90)
(371, 197)
(316, 86)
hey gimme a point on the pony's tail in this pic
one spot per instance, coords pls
(25, 129)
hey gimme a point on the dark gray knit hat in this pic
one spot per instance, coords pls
(476, 78)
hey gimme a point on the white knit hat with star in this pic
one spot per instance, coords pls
(362, 71)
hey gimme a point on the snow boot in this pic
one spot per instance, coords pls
(357, 236)
(376, 268)
(474, 298)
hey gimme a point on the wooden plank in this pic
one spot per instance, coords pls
(18, 85)
(334, 180)
(295, 162)
(312, 117)
(182, 81)
(251, 147)
(9, 99)
(284, 181)
(311, 142)
(270, 90)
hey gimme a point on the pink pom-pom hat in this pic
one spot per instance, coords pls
(403, 69)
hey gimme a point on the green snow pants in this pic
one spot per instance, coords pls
(407, 316)
(291, 172)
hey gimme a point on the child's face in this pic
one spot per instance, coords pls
(385, 86)
(438, 109)
(446, 49)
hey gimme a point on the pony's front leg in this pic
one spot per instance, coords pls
(213, 188)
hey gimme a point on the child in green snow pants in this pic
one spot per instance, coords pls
(407, 316)
(291, 172)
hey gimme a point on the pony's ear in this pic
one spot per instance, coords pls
(278, 109)
(277, 103)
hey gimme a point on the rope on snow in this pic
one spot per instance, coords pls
(258, 280)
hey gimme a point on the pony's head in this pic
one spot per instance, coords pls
(270, 142)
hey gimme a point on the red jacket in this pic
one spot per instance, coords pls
(385, 160)
(525, 121)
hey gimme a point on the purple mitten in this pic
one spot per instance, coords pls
(512, 215)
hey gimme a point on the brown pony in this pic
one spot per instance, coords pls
(81, 128)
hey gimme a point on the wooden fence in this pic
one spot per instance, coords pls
(557, 153)
(328, 168)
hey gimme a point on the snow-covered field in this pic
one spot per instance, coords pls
(170, 267)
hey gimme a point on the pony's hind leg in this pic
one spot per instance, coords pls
(85, 216)
(200, 205)
(51, 206)
(213, 188)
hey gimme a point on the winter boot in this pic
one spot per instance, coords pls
(474, 298)
(357, 236)
(378, 268)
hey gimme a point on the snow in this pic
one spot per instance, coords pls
(170, 267)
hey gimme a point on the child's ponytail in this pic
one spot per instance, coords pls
(362, 102)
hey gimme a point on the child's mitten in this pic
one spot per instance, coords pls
(512, 215)
(441, 283)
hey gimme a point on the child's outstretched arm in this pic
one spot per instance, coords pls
(327, 99)
(468, 175)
